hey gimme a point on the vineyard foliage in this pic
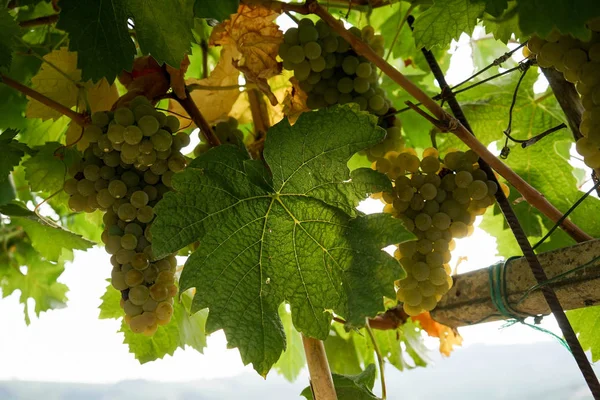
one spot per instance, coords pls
(270, 242)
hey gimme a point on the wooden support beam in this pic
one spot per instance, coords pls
(469, 301)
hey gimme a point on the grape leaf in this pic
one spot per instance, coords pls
(98, 33)
(341, 348)
(215, 104)
(395, 24)
(48, 239)
(495, 7)
(292, 360)
(561, 14)
(46, 171)
(163, 28)
(9, 29)
(7, 192)
(11, 153)
(219, 10)
(184, 329)
(586, 323)
(446, 20)
(37, 280)
(354, 387)
(13, 102)
(60, 79)
(293, 237)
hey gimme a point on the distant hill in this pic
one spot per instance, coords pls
(541, 371)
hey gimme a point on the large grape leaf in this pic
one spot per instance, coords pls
(48, 239)
(446, 20)
(24, 269)
(355, 387)
(9, 28)
(586, 323)
(541, 16)
(185, 329)
(294, 236)
(46, 171)
(11, 152)
(98, 33)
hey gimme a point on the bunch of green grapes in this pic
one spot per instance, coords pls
(127, 167)
(438, 202)
(226, 131)
(329, 70)
(393, 142)
(580, 64)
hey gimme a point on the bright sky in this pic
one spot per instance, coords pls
(73, 345)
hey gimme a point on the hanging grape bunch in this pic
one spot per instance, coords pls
(438, 203)
(329, 71)
(226, 131)
(127, 167)
(580, 64)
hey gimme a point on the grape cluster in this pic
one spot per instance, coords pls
(393, 142)
(126, 169)
(580, 64)
(329, 70)
(438, 203)
(226, 131)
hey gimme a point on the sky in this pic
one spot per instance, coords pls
(73, 345)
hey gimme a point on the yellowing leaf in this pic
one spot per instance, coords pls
(60, 80)
(449, 337)
(214, 104)
(256, 39)
(294, 103)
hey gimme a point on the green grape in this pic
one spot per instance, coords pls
(302, 70)
(159, 167)
(342, 45)
(458, 229)
(124, 116)
(307, 33)
(70, 186)
(100, 119)
(115, 133)
(361, 101)
(420, 271)
(140, 261)
(312, 50)
(376, 102)
(331, 96)
(107, 172)
(172, 123)
(146, 159)
(176, 163)
(535, 44)
(478, 190)
(430, 164)
(330, 44)
(361, 85)
(431, 207)
(364, 69)
(148, 125)
(139, 199)
(441, 245)
(127, 212)
(105, 144)
(313, 78)
(112, 159)
(133, 135)
(151, 178)
(164, 311)
(318, 64)
(345, 85)
(134, 278)
(575, 58)
(290, 36)
(118, 281)
(424, 246)
(441, 221)
(139, 294)
(117, 188)
(85, 187)
(105, 198)
(130, 178)
(462, 196)
(129, 241)
(349, 65)
(77, 202)
(91, 172)
(463, 179)
(423, 222)
(589, 73)
(451, 207)
(583, 147)
(283, 49)
(295, 54)
(428, 191)
(434, 259)
(412, 297)
(145, 214)
(142, 110)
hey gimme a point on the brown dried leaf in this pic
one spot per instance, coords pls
(294, 103)
(177, 77)
(147, 78)
(255, 38)
(214, 104)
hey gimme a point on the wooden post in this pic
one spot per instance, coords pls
(469, 301)
(321, 381)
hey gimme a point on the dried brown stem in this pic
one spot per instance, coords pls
(529, 193)
(192, 109)
(321, 380)
(78, 118)
(47, 20)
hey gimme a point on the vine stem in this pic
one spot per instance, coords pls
(192, 109)
(78, 118)
(379, 359)
(529, 193)
(47, 20)
(321, 381)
